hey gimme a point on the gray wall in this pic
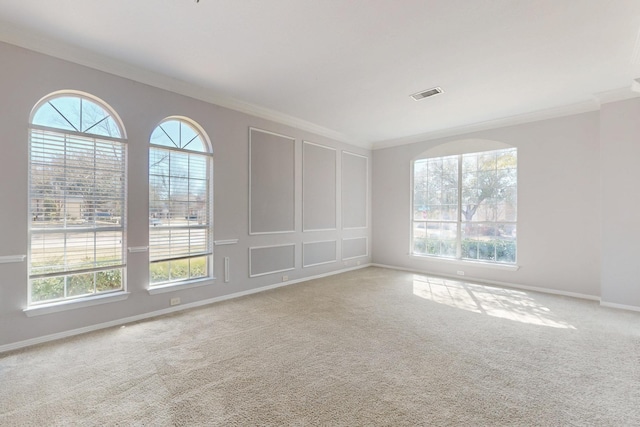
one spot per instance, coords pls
(26, 77)
(558, 206)
(620, 148)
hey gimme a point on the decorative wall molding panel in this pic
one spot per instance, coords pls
(271, 259)
(271, 182)
(355, 248)
(319, 181)
(318, 253)
(355, 178)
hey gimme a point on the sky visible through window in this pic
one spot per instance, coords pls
(76, 114)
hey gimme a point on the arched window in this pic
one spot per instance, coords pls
(77, 198)
(180, 203)
(465, 202)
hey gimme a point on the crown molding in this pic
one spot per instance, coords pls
(567, 110)
(13, 35)
(45, 45)
(615, 95)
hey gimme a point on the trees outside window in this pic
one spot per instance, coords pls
(180, 203)
(77, 199)
(465, 206)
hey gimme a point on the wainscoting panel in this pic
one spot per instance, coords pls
(318, 187)
(355, 175)
(317, 253)
(271, 183)
(271, 259)
(354, 248)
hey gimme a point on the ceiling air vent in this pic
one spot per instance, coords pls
(426, 93)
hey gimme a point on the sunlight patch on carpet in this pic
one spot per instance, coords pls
(504, 303)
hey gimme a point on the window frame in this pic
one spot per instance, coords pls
(459, 222)
(208, 155)
(81, 139)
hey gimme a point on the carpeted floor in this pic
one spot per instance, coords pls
(368, 347)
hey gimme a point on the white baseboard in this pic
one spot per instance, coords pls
(494, 282)
(125, 320)
(516, 286)
(619, 306)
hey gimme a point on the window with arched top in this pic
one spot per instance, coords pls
(465, 203)
(77, 198)
(180, 203)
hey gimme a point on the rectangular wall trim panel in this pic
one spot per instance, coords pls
(318, 253)
(319, 179)
(355, 248)
(271, 182)
(355, 178)
(271, 259)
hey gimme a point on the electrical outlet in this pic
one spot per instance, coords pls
(285, 278)
(460, 273)
(174, 301)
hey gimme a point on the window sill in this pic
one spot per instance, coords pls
(490, 265)
(39, 310)
(171, 287)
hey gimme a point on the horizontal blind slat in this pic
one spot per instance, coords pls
(179, 204)
(77, 182)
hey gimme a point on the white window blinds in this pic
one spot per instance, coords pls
(179, 202)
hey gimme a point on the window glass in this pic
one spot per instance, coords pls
(180, 203)
(77, 114)
(77, 198)
(465, 206)
(176, 133)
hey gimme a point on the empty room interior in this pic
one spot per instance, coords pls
(305, 212)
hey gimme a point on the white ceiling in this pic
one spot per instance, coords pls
(346, 68)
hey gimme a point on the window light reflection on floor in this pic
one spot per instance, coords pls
(504, 303)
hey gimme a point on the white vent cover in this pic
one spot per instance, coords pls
(426, 93)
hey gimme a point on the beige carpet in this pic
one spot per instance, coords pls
(369, 347)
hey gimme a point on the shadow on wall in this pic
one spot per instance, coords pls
(508, 304)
